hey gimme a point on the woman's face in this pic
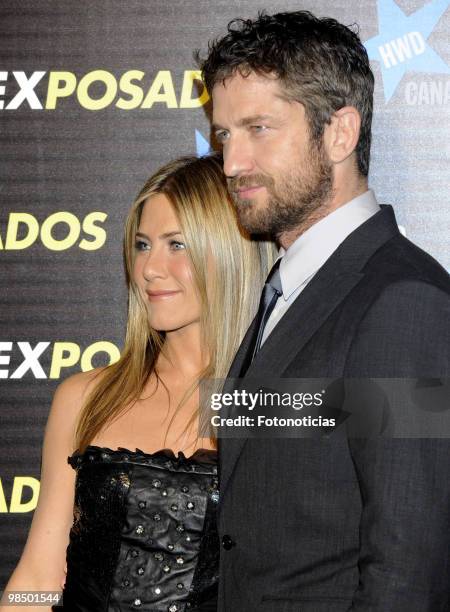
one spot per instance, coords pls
(162, 270)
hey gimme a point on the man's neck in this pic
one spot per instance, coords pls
(341, 194)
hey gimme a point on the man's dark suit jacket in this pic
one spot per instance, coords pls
(339, 523)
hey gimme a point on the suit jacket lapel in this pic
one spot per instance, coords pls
(242, 352)
(306, 315)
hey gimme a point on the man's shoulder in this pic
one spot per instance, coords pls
(404, 310)
(403, 289)
(400, 262)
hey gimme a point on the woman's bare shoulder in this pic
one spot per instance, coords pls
(68, 401)
(75, 389)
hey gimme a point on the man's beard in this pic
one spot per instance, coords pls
(296, 204)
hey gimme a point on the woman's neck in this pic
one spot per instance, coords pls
(182, 352)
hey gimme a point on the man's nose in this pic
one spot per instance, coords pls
(237, 158)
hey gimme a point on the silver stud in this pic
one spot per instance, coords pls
(140, 529)
(215, 497)
(180, 560)
(185, 488)
(126, 582)
(180, 586)
(140, 571)
(173, 608)
(170, 546)
(166, 568)
(134, 553)
(158, 556)
(124, 480)
(157, 517)
(137, 602)
(180, 528)
(174, 507)
(188, 538)
(156, 483)
(157, 591)
(190, 505)
(142, 504)
(164, 493)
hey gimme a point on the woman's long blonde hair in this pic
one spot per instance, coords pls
(229, 297)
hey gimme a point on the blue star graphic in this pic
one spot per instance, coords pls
(401, 44)
(202, 145)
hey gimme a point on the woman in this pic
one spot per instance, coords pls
(143, 534)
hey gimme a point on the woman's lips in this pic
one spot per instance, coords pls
(155, 296)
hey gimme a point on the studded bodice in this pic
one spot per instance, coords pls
(144, 535)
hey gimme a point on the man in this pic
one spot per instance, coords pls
(339, 522)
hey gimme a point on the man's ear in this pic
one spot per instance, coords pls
(341, 135)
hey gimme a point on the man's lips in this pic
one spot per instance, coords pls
(245, 192)
(160, 295)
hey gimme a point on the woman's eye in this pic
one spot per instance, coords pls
(140, 245)
(176, 245)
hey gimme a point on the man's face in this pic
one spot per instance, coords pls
(279, 179)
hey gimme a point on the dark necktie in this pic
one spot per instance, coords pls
(270, 294)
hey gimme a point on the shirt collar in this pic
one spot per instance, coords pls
(312, 249)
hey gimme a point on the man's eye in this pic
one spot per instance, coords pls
(258, 128)
(176, 245)
(140, 245)
(221, 136)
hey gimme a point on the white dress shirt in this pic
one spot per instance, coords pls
(310, 251)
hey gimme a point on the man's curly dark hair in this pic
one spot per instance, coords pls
(319, 62)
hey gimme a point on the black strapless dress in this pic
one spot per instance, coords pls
(144, 536)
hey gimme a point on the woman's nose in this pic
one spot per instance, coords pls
(154, 266)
